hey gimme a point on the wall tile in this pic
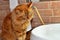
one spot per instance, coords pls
(4, 7)
(55, 19)
(55, 4)
(3, 2)
(42, 5)
(4, 10)
(56, 12)
(45, 12)
(46, 20)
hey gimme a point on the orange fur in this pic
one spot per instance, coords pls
(15, 24)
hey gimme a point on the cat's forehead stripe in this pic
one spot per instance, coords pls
(22, 7)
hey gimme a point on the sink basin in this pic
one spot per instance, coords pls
(46, 32)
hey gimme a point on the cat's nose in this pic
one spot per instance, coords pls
(16, 39)
(27, 17)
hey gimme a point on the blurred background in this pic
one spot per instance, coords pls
(49, 10)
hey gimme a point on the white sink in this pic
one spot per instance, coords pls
(46, 32)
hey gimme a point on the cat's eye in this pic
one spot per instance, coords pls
(16, 13)
(21, 10)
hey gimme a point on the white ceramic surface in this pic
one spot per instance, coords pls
(46, 32)
(35, 1)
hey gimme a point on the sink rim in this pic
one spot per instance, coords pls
(47, 25)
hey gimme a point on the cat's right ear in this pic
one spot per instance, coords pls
(29, 4)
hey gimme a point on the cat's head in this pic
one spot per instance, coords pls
(24, 11)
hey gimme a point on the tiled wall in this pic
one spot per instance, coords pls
(50, 12)
(4, 10)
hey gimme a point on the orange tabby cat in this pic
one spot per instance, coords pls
(15, 24)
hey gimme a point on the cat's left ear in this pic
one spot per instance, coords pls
(29, 4)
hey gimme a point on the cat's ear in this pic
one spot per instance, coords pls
(29, 4)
